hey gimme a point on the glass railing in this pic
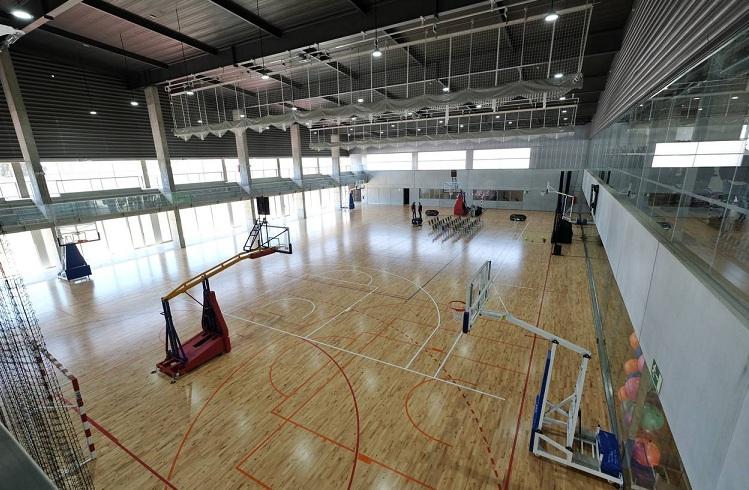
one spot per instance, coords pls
(702, 212)
(651, 457)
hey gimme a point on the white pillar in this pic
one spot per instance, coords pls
(414, 160)
(22, 126)
(176, 221)
(23, 190)
(159, 140)
(243, 153)
(335, 153)
(144, 172)
(469, 160)
(41, 248)
(298, 174)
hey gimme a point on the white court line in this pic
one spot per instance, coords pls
(439, 317)
(314, 306)
(444, 361)
(373, 359)
(332, 279)
(339, 314)
(371, 279)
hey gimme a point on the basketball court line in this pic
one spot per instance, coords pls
(449, 351)
(314, 306)
(345, 310)
(363, 356)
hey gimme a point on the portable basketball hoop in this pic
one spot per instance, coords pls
(568, 201)
(457, 308)
(359, 184)
(555, 431)
(74, 266)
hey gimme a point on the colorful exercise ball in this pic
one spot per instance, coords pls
(634, 342)
(646, 452)
(638, 352)
(652, 418)
(631, 386)
(622, 394)
(641, 364)
(630, 366)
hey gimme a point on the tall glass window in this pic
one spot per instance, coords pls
(507, 158)
(441, 160)
(389, 161)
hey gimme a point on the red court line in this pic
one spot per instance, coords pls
(410, 419)
(362, 457)
(208, 401)
(117, 442)
(356, 409)
(527, 377)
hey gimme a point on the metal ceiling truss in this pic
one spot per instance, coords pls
(249, 17)
(420, 73)
(150, 25)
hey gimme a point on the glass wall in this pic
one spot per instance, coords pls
(261, 168)
(389, 161)
(681, 158)
(441, 160)
(651, 459)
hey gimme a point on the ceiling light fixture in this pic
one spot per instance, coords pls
(552, 16)
(558, 75)
(376, 53)
(562, 98)
(509, 122)
(461, 125)
(134, 103)
(418, 129)
(360, 100)
(53, 76)
(190, 92)
(241, 116)
(93, 113)
(478, 106)
(699, 109)
(496, 117)
(353, 118)
(200, 121)
(734, 97)
(264, 76)
(21, 14)
(696, 98)
(441, 121)
(293, 108)
(445, 89)
(564, 112)
(392, 125)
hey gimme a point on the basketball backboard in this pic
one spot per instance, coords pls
(75, 234)
(477, 294)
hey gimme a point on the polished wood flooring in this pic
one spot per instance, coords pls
(339, 375)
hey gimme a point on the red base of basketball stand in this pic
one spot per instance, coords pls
(211, 342)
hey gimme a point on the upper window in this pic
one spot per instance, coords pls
(699, 154)
(389, 161)
(263, 167)
(345, 164)
(442, 160)
(506, 158)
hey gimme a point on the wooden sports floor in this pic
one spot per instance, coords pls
(339, 375)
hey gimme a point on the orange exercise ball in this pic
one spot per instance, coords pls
(646, 452)
(634, 342)
(630, 366)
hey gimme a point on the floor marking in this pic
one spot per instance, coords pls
(208, 400)
(373, 359)
(314, 306)
(371, 279)
(117, 442)
(457, 339)
(347, 309)
(527, 377)
(304, 277)
(410, 419)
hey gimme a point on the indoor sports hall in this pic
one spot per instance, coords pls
(369, 244)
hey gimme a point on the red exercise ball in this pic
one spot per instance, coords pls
(641, 364)
(646, 452)
(622, 394)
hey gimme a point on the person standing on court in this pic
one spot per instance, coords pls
(413, 210)
(419, 210)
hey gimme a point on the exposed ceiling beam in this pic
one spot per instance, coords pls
(150, 25)
(358, 5)
(389, 12)
(100, 45)
(249, 16)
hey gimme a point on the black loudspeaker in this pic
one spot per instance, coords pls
(557, 249)
(263, 205)
(453, 173)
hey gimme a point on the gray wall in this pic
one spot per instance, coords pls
(386, 187)
(63, 128)
(700, 345)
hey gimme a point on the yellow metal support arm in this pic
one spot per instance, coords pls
(220, 267)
